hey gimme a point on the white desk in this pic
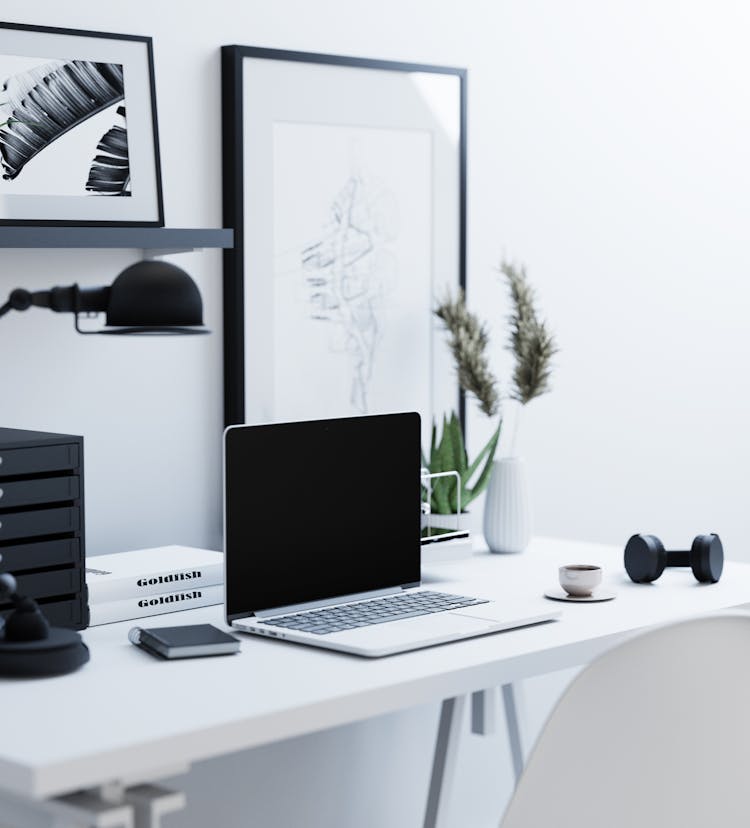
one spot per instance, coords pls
(148, 718)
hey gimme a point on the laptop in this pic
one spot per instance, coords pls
(322, 540)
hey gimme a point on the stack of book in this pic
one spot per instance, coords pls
(145, 582)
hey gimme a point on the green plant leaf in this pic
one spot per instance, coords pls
(457, 445)
(445, 449)
(436, 452)
(488, 452)
(489, 447)
(446, 461)
(458, 461)
(440, 460)
(448, 453)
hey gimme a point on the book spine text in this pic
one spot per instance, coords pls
(103, 588)
(108, 612)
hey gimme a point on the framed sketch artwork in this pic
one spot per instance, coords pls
(344, 180)
(78, 134)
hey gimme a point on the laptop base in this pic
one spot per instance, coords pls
(400, 636)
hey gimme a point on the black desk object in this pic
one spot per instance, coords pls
(188, 641)
(42, 522)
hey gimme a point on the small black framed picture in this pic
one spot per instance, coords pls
(79, 141)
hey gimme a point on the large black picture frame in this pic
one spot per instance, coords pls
(123, 150)
(245, 196)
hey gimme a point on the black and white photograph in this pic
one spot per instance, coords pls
(78, 137)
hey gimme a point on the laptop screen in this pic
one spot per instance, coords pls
(320, 509)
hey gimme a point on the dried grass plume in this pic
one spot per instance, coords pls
(468, 343)
(531, 342)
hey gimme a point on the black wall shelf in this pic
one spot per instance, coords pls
(157, 239)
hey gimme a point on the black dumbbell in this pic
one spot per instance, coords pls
(646, 557)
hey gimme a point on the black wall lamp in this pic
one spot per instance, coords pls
(149, 297)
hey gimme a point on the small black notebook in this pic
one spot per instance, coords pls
(184, 642)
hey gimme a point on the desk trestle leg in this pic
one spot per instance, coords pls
(514, 729)
(484, 715)
(483, 723)
(484, 712)
(111, 806)
(444, 762)
(151, 802)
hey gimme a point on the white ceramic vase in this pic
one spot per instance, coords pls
(507, 512)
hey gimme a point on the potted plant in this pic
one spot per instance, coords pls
(507, 513)
(533, 347)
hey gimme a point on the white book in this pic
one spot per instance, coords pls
(108, 612)
(143, 572)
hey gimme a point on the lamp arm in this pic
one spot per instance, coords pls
(19, 299)
(71, 299)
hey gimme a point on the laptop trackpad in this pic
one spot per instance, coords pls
(423, 628)
(497, 614)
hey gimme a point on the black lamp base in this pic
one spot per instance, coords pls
(63, 651)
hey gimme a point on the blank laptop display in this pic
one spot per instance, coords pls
(320, 509)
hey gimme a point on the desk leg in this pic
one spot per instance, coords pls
(444, 761)
(514, 730)
(484, 712)
(80, 810)
(111, 806)
(150, 803)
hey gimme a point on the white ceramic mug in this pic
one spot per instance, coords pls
(580, 580)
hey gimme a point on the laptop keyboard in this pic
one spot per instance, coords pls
(374, 611)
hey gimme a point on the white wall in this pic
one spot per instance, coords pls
(607, 151)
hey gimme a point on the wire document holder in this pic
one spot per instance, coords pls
(430, 532)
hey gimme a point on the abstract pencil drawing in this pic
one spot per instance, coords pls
(349, 271)
(43, 107)
(345, 322)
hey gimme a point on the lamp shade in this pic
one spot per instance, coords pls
(154, 294)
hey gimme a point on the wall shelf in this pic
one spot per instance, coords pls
(153, 241)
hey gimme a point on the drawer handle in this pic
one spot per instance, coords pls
(1, 493)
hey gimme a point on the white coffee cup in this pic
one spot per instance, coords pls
(580, 580)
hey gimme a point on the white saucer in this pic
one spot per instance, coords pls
(559, 594)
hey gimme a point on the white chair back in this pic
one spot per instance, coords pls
(653, 734)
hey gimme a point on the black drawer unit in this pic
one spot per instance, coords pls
(59, 612)
(43, 490)
(32, 522)
(51, 582)
(41, 522)
(35, 554)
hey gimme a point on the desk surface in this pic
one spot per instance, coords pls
(126, 714)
